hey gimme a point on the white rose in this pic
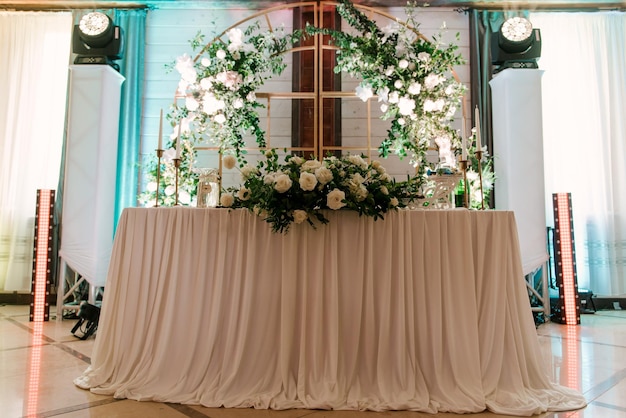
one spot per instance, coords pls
(423, 56)
(283, 183)
(383, 107)
(323, 175)
(415, 88)
(403, 64)
(299, 216)
(206, 83)
(170, 190)
(364, 92)
(152, 186)
(398, 84)
(247, 171)
(219, 118)
(238, 103)
(251, 96)
(268, 179)
(297, 160)
(221, 54)
(384, 190)
(394, 97)
(227, 200)
(394, 201)
(229, 162)
(406, 106)
(334, 199)
(308, 181)
(191, 104)
(311, 165)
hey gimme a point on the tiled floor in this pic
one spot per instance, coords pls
(39, 361)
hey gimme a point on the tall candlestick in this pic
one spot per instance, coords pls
(479, 147)
(178, 142)
(161, 131)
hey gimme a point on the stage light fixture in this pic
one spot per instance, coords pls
(515, 45)
(97, 40)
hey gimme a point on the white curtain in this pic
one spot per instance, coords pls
(34, 56)
(584, 117)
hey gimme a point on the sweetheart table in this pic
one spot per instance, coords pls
(424, 310)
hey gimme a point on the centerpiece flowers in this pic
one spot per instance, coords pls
(300, 190)
(410, 75)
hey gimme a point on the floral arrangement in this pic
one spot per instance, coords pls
(412, 77)
(219, 85)
(299, 190)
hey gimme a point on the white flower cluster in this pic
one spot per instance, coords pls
(299, 190)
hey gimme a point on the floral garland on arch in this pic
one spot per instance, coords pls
(220, 84)
(412, 78)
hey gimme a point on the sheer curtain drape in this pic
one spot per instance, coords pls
(584, 94)
(34, 53)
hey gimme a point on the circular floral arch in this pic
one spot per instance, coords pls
(412, 79)
(411, 76)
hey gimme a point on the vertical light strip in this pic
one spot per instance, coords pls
(34, 375)
(572, 361)
(42, 249)
(565, 263)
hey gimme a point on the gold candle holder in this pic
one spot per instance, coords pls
(463, 166)
(159, 153)
(479, 157)
(176, 165)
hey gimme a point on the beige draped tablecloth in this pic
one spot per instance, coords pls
(424, 310)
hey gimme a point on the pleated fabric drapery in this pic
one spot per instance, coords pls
(424, 310)
(34, 56)
(584, 97)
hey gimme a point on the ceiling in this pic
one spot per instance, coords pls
(261, 4)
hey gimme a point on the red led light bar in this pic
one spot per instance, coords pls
(565, 260)
(42, 256)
